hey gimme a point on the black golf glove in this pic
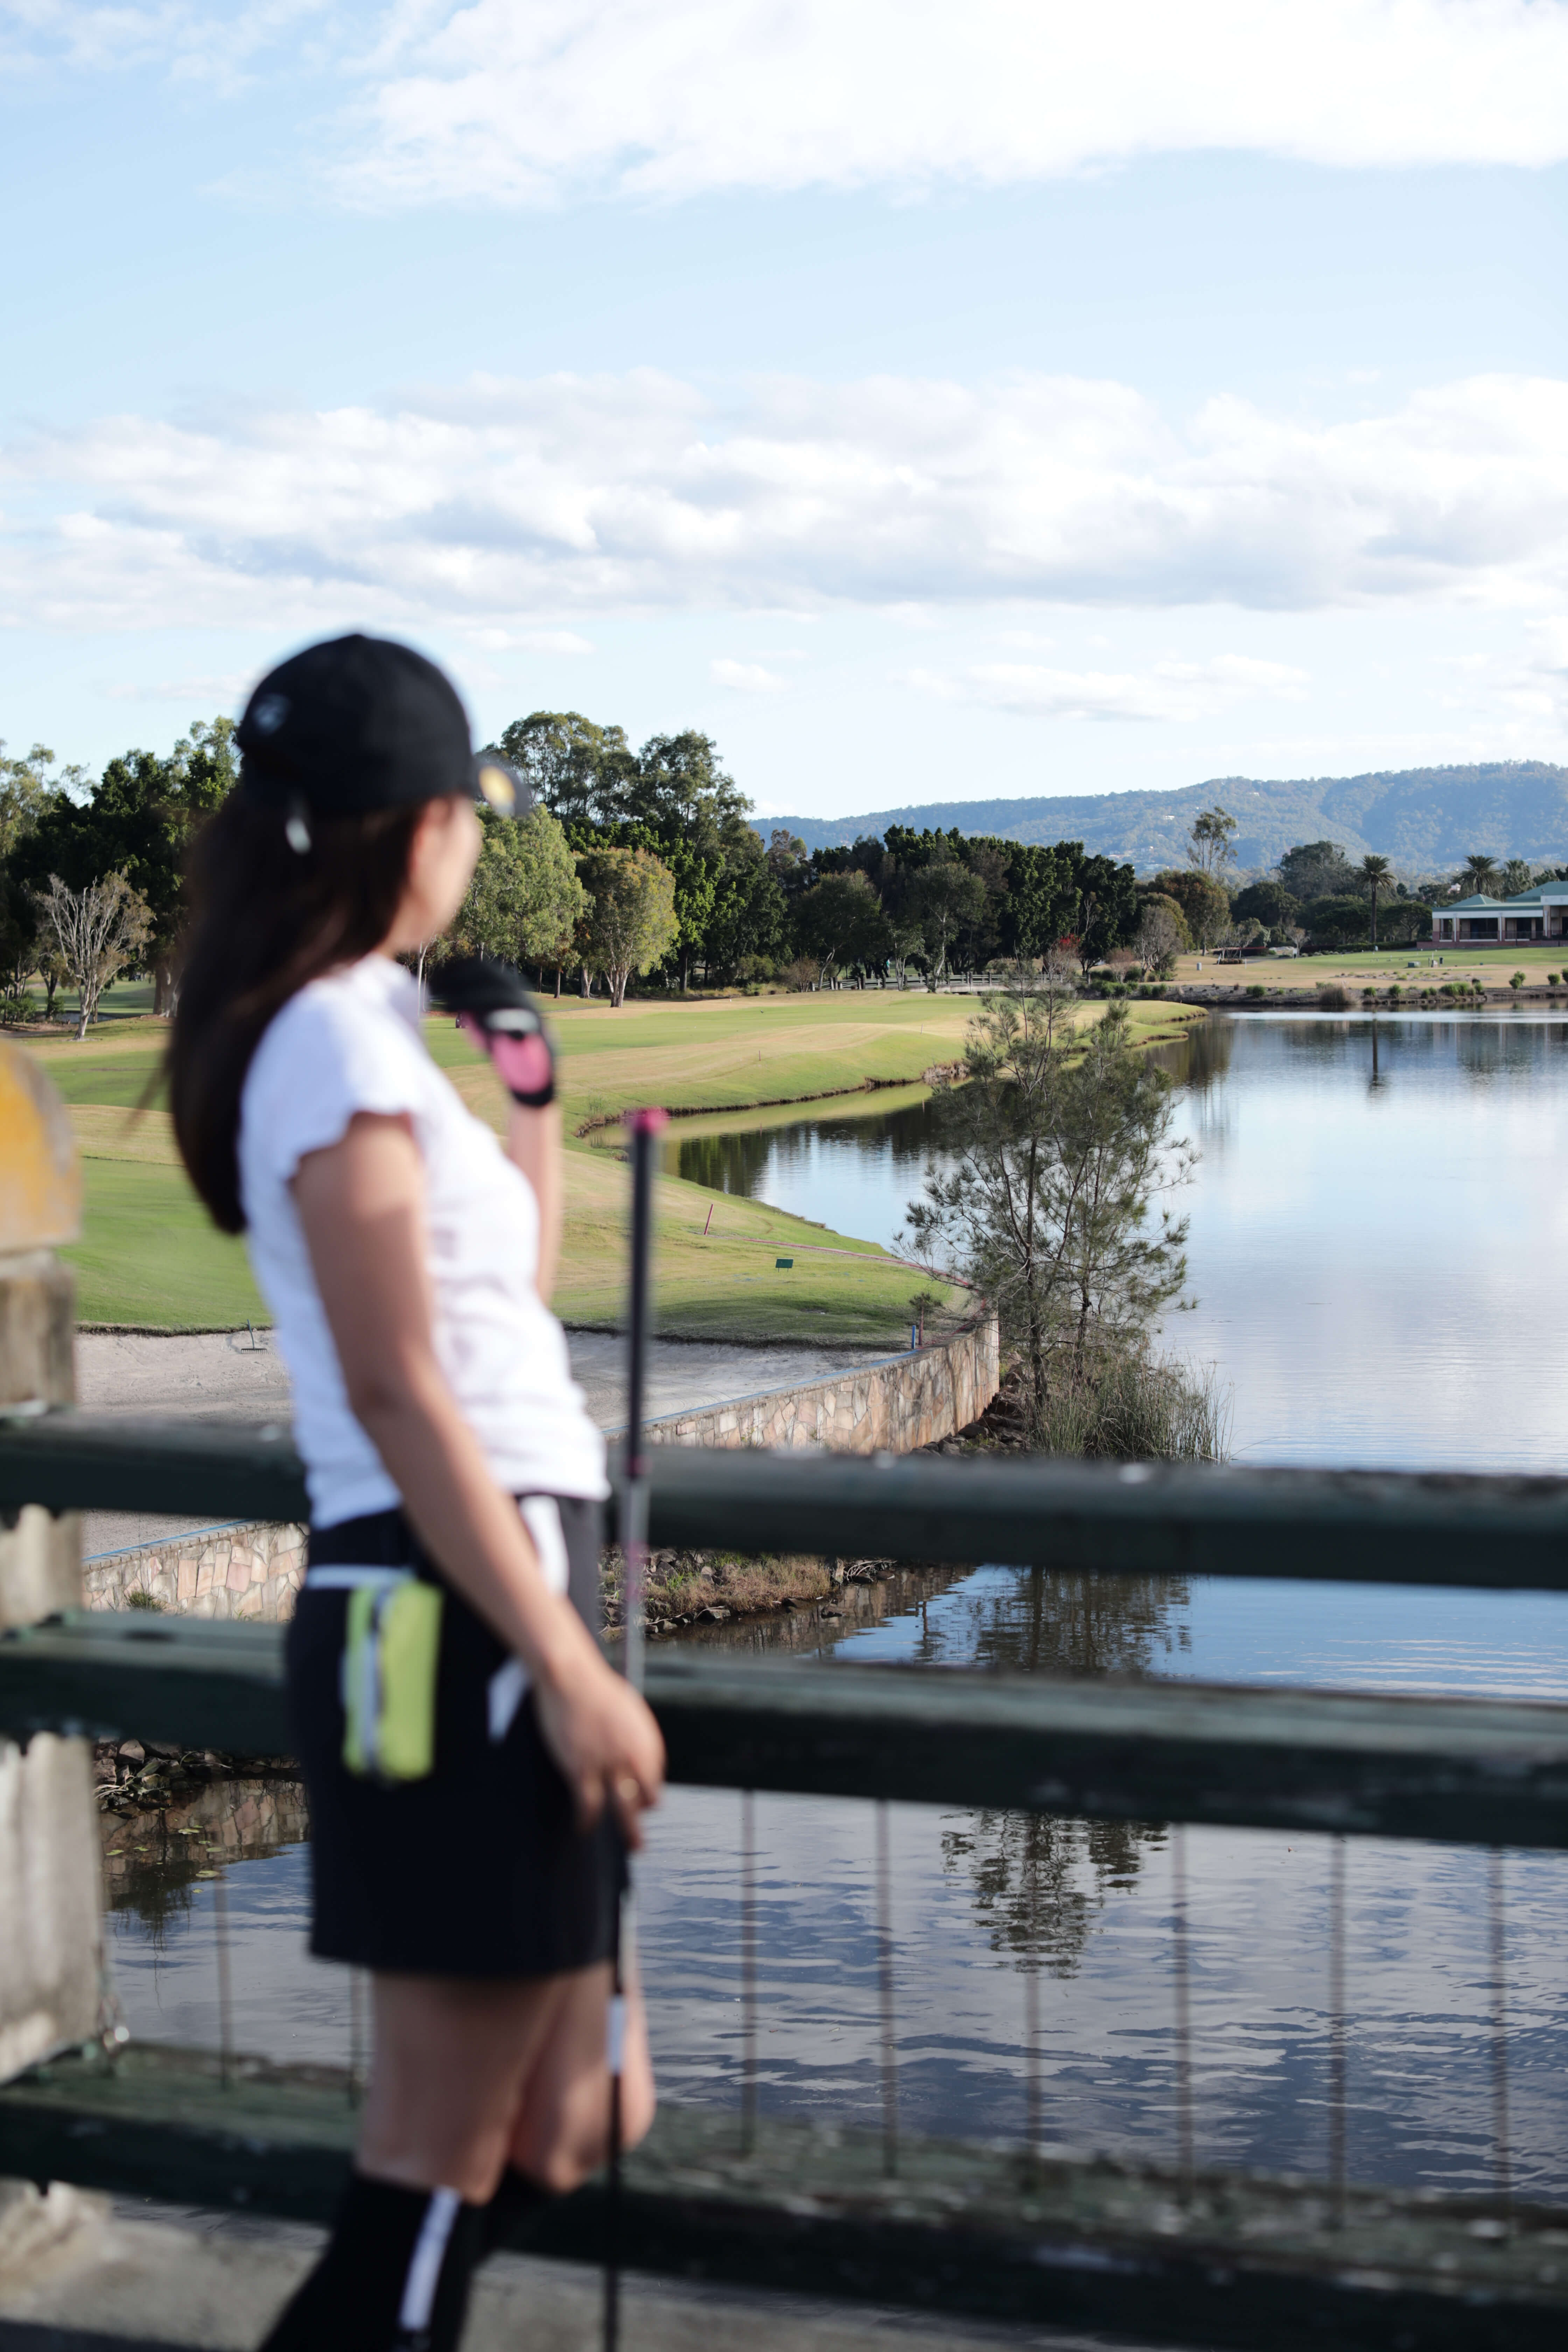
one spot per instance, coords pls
(498, 1012)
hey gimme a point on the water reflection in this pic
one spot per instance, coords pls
(153, 1863)
(1041, 1880)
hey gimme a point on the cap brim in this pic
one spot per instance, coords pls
(499, 788)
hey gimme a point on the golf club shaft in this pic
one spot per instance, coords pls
(644, 1125)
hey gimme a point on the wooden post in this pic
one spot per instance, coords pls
(50, 1897)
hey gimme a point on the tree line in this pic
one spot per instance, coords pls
(644, 862)
(635, 861)
(1315, 896)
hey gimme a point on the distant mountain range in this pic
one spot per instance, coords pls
(1425, 819)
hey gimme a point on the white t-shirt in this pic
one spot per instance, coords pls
(351, 1042)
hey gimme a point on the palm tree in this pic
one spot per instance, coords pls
(1480, 870)
(1374, 873)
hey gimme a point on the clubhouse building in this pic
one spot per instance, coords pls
(1481, 922)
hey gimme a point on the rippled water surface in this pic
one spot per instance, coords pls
(1375, 1248)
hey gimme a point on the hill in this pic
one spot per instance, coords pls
(1425, 819)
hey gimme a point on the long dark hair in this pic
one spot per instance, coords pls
(264, 920)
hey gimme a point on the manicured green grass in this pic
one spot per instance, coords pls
(150, 1253)
(724, 1282)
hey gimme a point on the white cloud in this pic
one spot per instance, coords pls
(523, 506)
(1167, 691)
(222, 691)
(489, 101)
(219, 46)
(533, 641)
(492, 101)
(745, 678)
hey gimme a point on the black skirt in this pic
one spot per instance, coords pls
(477, 1870)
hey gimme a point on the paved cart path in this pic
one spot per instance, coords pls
(97, 2277)
(237, 1377)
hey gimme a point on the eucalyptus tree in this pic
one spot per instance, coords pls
(96, 932)
(1211, 843)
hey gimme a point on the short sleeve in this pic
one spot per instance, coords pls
(324, 1058)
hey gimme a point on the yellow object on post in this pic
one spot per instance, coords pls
(40, 1177)
(50, 1931)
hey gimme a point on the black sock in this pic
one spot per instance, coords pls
(394, 2276)
(516, 2202)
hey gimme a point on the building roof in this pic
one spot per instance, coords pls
(1523, 901)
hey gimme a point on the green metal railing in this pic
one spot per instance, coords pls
(1215, 2260)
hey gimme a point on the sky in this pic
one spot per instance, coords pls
(925, 403)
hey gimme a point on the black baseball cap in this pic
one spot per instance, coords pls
(362, 723)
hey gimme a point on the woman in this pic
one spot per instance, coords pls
(475, 1768)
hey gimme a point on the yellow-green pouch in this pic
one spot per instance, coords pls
(390, 1657)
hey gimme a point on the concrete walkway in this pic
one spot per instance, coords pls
(161, 2276)
(237, 1377)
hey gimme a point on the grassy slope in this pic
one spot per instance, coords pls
(149, 1254)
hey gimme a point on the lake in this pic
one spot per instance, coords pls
(1373, 1250)
(1378, 1216)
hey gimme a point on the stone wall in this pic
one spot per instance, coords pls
(892, 1406)
(217, 1573)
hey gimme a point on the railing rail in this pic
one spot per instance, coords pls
(1177, 2254)
(1137, 1519)
(1474, 1770)
(1490, 1772)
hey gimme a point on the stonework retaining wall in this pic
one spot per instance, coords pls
(217, 1573)
(892, 1406)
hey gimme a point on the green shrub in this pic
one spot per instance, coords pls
(144, 1601)
(1134, 1406)
(1518, 980)
(1255, 988)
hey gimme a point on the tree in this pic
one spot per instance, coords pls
(1042, 897)
(1162, 935)
(1266, 902)
(526, 897)
(631, 923)
(1337, 922)
(97, 931)
(1517, 875)
(840, 922)
(1478, 872)
(27, 789)
(1210, 843)
(946, 898)
(1203, 902)
(579, 771)
(749, 925)
(137, 822)
(1375, 870)
(1058, 1145)
(1316, 870)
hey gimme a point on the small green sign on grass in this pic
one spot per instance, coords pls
(784, 1260)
